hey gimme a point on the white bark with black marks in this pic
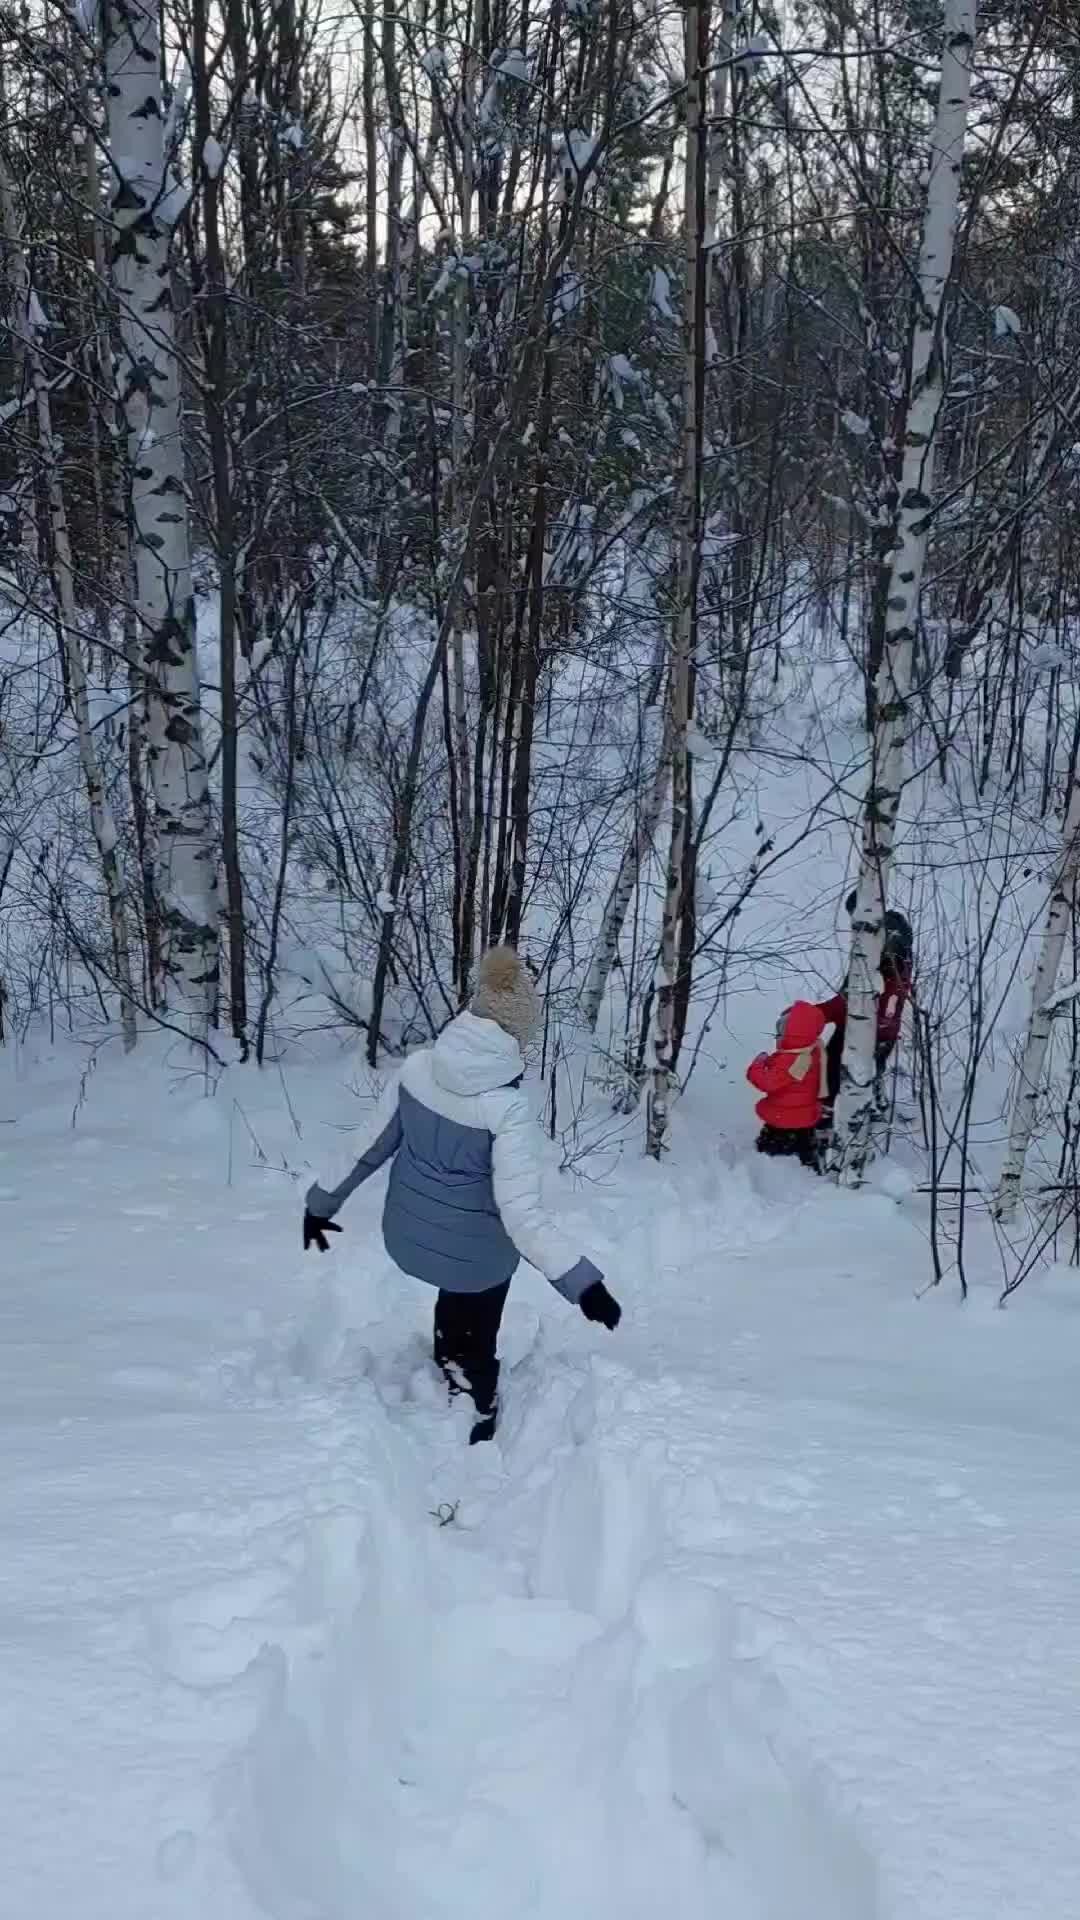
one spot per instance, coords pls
(146, 202)
(927, 386)
(1059, 912)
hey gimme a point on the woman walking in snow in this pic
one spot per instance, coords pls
(463, 1204)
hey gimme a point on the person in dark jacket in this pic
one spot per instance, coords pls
(793, 1081)
(463, 1205)
(897, 970)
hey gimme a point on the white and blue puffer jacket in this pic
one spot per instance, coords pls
(464, 1200)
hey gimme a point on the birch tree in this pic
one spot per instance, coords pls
(1056, 929)
(147, 200)
(684, 630)
(927, 384)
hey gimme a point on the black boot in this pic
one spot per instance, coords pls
(484, 1429)
(485, 1392)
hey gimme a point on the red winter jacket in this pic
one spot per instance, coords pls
(893, 998)
(792, 1078)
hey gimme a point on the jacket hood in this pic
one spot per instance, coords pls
(804, 1024)
(475, 1056)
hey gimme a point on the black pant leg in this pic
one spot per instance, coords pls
(797, 1143)
(445, 1338)
(809, 1149)
(451, 1342)
(834, 1053)
(483, 1364)
(466, 1341)
(883, 1053)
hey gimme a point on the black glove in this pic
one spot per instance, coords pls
(315, 1232)
(598, 1304)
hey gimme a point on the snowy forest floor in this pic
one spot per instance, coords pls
(764, 1608)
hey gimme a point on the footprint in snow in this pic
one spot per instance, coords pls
(176, 1855)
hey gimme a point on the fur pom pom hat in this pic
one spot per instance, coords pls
(505, 993)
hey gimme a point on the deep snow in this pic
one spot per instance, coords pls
(763, 1608)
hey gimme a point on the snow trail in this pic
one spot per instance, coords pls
(523, 1703)
(764, 1608)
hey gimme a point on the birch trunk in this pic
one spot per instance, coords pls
(1062, 902)
(684, 632)
(1037, 1043)
(926, 388)
(124, 572)
(146, 202)
(101, 815)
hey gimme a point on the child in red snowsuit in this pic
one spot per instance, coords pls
(793, 1082)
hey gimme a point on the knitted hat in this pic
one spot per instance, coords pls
(505, 993)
